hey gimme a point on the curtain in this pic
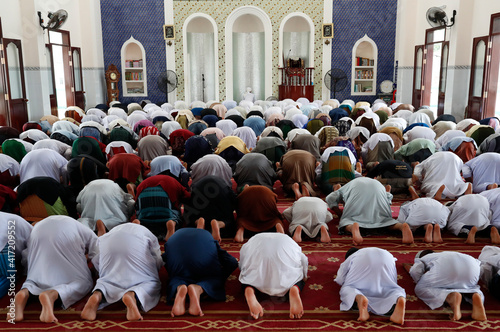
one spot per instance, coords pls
(296, 45)
(200, 57)
(248, 64)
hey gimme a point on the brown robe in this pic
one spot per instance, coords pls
(298, 166)
(257, 209)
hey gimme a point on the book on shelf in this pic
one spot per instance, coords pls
(364, 74)
(135, 90)
(364, 61)
(133, 76)
(133, 63)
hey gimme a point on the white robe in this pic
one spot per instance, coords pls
(131, 267)
(484, 169)
(104, 199)
(247, 135)
(423, 211)
(419, 132)
(493, 197)
(490, 263)
(62, 148)
(370, 272)
(439, 274)
(272, 263)
(56, 258)
(19, 228)
(9, 163)
(43, 162)
(442, 167)
(469, 210)
(309, 212)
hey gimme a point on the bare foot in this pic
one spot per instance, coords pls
(239, 235)
(200, 223)
(254, 305)
(362, 302)
(47, 300)
(101, 229)
(337, 187)
(469, 189)
(179, 307)
(296, 190)
(388, 188)
(454, 300)
(305, 191)
(495, 237)
(471, 238)
(170, 229)
(407, 234)
(414, 178)
(296, 309)
(131, 189)
(436, 235)
(492, 186)
(215, 224)
(398, 316)
(195, 292)
(439, 194)
(279, 228)
(359, 169)
(428, 233)
(413, 193)
(357, 239)
(325, 236)
(89, 312)
(20, 303)
(130, 302)
(478, 312)
(297, 234)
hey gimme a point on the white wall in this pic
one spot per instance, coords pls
(20, 21)
(472, 20)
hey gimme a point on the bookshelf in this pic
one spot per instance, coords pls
(134, 79)
(364, 67)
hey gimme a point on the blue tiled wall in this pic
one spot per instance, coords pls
(353, 19)
(144, 21)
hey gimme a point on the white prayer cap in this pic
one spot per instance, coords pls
(394, 106)
(246, 104)
(361, 104)
(334, 103)
(303, 101)
(197, 103)
(181, 105)
(133, 107)
(118, 112)
(349, 102)
(167, 107)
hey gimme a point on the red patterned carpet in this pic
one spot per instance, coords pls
(320, 299)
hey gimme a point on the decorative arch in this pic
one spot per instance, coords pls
(371, 79)
(311, 38)
(231, 19)
(144, 80)
(187, 69)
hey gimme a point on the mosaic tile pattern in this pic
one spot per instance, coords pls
(219, 10)
(144, 21)
(352, 20)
